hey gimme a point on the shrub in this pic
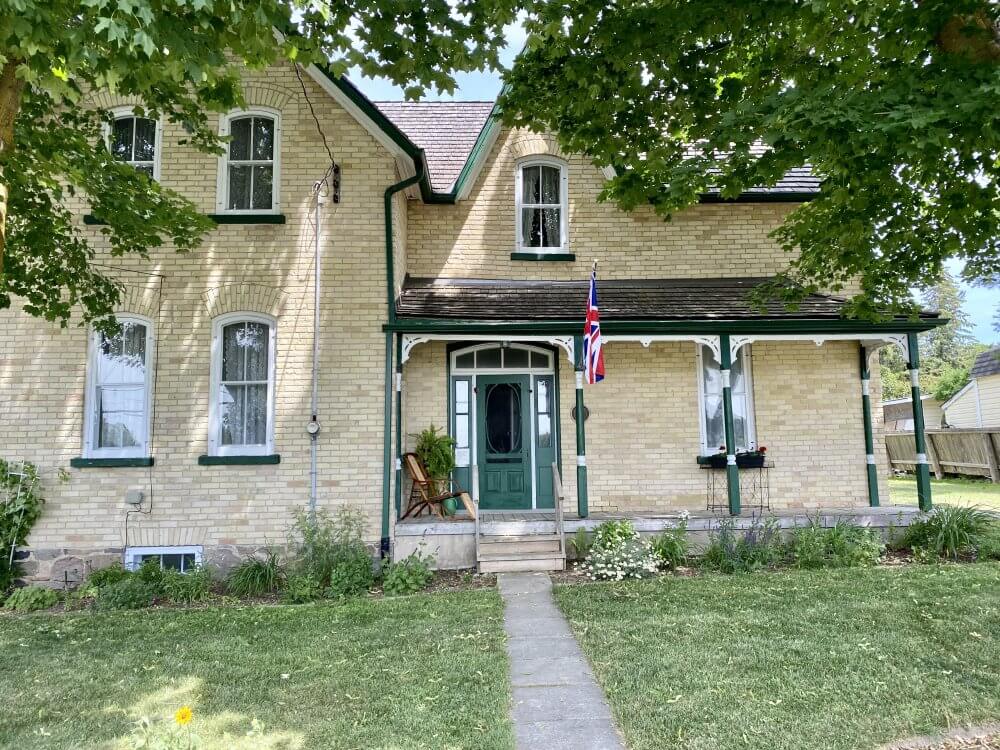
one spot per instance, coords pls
(671, 547)
(186, 588)
(610, 533)
(256, 577)
(948, 531)
(129, 593)
(151, 573)
(302, 589)
(729, 552)
(324, 543)
(621, 559)
(436, 451)
(843, 545)
(408, 576)
(352, 576)
(31, 599)
(106, 576)
(579, 544)
(20, 507)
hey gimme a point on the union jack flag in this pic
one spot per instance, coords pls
(593, 357)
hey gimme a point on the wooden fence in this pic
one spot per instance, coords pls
(969, 452)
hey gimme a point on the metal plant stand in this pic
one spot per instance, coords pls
(755, 488)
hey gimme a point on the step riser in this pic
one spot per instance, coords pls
(521, 566)
(516, 548)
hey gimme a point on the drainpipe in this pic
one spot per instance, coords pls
(390, 292)
(313, 427)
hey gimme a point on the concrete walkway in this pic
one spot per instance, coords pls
(557, 703)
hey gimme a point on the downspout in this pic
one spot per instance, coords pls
(390, 292)
(313, 427)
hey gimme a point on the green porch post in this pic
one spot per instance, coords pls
(581, 439)
(866, 414)
(399, 424)
(732, 471)
(919, 439)
(386, 447)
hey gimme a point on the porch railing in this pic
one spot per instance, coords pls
(557, 493)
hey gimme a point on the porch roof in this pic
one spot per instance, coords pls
(718, 299)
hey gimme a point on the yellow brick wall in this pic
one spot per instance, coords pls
(474, 238)
(643, 432)
(265, 268)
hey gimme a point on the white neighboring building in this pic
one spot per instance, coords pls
(897, 414)
(978, 403)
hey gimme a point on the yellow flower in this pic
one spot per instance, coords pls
(183, 715)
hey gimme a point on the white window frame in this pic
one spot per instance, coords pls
(91, 430)
(746, 359)
(537, 161)
(133, 555)
(215, 447)
(119, 113)
(222, 189)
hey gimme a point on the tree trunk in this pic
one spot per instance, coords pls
(11, 88)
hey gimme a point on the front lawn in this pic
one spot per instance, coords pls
(831, 659)
(424, 671)
(903, 491)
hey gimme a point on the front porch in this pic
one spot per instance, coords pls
(453, 541)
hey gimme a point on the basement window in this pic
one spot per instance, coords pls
(169, 558)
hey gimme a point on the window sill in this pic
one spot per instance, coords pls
(543, 256)
(247, 218)
(110, 463)
(91, 220)
(238, 460)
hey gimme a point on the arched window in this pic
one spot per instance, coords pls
(541, 198)
(249, 171)
(136, 141)
(118, 391)
(241, 419)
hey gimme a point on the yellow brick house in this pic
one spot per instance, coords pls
(444, 282)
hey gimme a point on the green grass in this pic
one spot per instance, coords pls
(903, 491)
(414, 672)
(832, 660)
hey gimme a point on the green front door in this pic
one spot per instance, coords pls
(503, 428)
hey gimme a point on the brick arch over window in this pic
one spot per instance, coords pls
(523, 144)
(230, 298)
(268, 95)
(139, 300)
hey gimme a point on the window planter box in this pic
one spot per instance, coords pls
(743, 461)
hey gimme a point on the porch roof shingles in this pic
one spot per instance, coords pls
(628, 299)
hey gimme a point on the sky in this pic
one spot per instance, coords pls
(980, 303)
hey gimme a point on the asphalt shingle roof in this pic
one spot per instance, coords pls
(646, 299)
(987, 363)
(446, 131)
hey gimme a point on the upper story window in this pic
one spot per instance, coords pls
(118, 391)
(713, 427)
(248, 173)
(242, 405)
(541, 198)
(136, 141)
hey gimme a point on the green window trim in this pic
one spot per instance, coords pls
(239, 460)
(543, 256)
(110, 463)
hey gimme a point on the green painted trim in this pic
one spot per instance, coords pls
(732, 470)
(109, 463)
(866, 416)
(920, 442)
(785, 197)
(551, 257)
(239, 460)
(582, 500)
(247, 218)
(489, 127)
(399, 427)
(563, 327)
(390, 265)
(386, 446)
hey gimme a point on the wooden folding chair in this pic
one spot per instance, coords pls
(422, 494)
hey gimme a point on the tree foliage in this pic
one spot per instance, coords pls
(892, 102)
(181, 59)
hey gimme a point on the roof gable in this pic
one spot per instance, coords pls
(987, 363)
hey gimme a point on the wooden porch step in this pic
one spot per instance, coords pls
(527, 562)
(519, 544)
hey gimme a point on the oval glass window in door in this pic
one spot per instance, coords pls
(503, 418)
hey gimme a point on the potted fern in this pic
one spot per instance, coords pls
(436, 451)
